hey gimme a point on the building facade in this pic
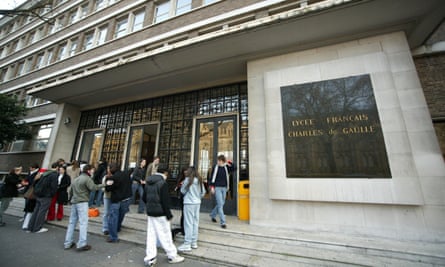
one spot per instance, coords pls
(331, 109)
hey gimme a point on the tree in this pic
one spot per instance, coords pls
(12, 126)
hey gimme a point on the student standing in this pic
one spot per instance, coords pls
(12, 182)
(61, 196)
(80, 192)
(219, 186)
(193, 191)
(138, 184)
(157, 202)
(44, 190)
(119, 184)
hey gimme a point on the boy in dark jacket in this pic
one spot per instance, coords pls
(157, 201)
(44, 190)
(119, 184)
(12, 182)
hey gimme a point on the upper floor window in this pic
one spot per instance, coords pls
(72, 17)
(32, 101)
(49, 57)
(162, 12)
(88, 41)
(20, 68)
(39, 141)
(61, 53)
(206, 2)
(31, 37)
(83, 11)
(138, 21)
(39, 61)
(28, 64)
(100, 4)
(73, 46)
(101, 35)
(183, 6)
(60, 23)
(3, 74)
(121, 27)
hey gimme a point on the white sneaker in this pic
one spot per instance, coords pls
(150, 263)
(42, 230)
(176, 259)
(184, 248)
(194, 245)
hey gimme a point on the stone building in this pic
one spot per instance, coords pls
(191, 79)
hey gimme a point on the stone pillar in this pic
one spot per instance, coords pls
(63, 135)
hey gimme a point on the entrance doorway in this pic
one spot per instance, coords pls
(216, 136)
(91, 143)
(142, 140)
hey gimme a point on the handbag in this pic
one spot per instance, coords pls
(29, 194)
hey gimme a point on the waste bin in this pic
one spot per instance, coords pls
(243, 200)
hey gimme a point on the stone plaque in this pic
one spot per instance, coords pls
(332, 129)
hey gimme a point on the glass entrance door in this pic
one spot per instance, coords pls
(216, 136)
(91, 146)
(141, 144)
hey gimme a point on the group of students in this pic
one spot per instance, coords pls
(50, 187)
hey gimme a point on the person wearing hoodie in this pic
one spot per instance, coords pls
(193, 191)
(157, 202)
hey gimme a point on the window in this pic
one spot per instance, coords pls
(206, 2)
(183, 6)
(28, 64)
(60, 23)
(72, 17)
(61, 53)
(49, 57)
(121, 28)
(100, 4)
(39, 61)
(32, 101)
(88, 41)
(138, 22)
(31, 37)
(21, 43)
(101, 35)
(20, 68)
(73, 47)
(162, 12)
(83, 11)
(14, 46)
(39, 142)
(38, 35)
(49, 29)
(3, 74)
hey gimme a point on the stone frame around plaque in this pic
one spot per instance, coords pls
(332, 130)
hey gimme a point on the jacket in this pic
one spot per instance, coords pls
(156, 197)
(46, 186)
(81, 188)
(10, 187)
(139, 175)
(100, 173)
(121, 187)
(221, 176)
(63, 189)
(194, 193)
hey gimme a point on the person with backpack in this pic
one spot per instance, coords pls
(193, 191)
(11, 184)
(157, 202)
(44, 190)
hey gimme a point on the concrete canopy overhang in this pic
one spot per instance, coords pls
(224, 58)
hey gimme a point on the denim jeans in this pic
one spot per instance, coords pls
(117, 214)
(191, 223)
(95, 198)
(106, 215)
(220, 197)
(136, 187)
(79, 212)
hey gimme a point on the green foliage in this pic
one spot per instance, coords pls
(11, 113)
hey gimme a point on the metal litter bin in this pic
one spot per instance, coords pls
(243, 200)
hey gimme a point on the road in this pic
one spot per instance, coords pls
(21, 249)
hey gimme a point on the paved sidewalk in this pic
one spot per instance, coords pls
(242, 244)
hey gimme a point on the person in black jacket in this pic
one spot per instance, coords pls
(30, 202)
(138, 178)
(157, 202)
(119, 184)
(96, 196)
(61, 196)
(12, 183)
(44, 190)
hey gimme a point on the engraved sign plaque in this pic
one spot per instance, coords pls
(332, 130)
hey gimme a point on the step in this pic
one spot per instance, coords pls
(242, 244)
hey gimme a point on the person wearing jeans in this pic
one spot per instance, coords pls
(219, 186)
(80, 191)
(119, 184)
(138, 184)
(193, 191)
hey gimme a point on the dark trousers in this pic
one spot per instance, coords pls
(39, 214)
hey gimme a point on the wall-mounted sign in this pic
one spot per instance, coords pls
(332, 129)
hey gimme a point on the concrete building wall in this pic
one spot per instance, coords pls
(410, 205)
